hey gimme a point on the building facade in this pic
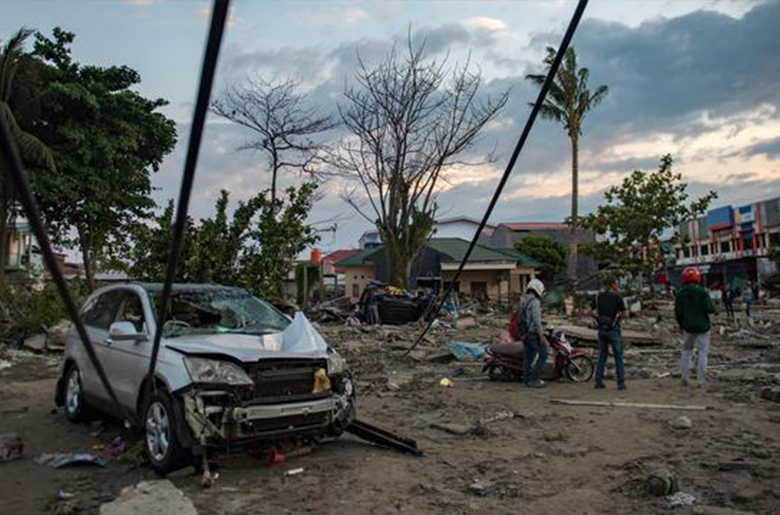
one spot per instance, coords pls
(729, 244)
(496, 274)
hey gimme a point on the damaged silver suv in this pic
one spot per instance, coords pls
(231, 370)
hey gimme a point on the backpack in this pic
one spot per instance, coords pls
(516, 327)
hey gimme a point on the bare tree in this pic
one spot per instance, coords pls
(285, 128)
(409, 119)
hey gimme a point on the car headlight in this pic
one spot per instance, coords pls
(336, 364)
(217, 371)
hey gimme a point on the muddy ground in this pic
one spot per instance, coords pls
(518, 451)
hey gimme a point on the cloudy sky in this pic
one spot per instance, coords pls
(697, 79)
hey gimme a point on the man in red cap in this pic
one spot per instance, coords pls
(692, 308)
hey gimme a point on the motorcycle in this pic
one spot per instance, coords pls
(504, 361)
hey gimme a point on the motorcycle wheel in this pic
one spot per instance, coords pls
(499, 374)
(580, 369)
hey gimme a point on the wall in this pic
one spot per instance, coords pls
(360, 276)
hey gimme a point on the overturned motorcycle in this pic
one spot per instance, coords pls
(505, 361)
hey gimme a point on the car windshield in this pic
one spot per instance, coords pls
(219, 311)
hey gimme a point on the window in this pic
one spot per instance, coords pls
(132, 311)
(725, 246)
(100, 312)
(704, 250)
(356, 290)
(479, 290)
(774, 239)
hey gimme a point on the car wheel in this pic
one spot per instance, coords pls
(161, 441)
(76, 408)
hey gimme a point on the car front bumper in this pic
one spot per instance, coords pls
(214, 417)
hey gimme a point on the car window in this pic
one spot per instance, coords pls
(99, 313)
(132, 311)
(219, 311)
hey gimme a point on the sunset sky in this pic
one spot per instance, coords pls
(697, 79)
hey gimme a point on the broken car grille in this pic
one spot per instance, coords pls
(285, 379)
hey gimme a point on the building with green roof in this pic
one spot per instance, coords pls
(496, 274)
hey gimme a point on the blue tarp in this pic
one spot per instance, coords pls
(466, 351)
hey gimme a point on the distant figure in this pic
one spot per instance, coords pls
(728, 300)
(529, 316)
(747, 298)
(610, 308)
(692, 309)
(756, 292)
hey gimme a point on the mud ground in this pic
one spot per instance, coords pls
(520, 453)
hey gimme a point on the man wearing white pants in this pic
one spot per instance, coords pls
(692, 308)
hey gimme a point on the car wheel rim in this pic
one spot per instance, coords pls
(73, 397)
(157, 431)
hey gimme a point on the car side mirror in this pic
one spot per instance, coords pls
(125, 331)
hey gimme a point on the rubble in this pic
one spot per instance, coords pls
(11, 447)
(158, 497)
(683, 423)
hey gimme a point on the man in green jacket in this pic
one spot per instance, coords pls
(692, 308)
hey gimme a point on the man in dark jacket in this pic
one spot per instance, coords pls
(692, 309)
(610, 308)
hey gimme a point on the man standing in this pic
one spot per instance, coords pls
(529, 316)
(610, 309)
(728, 300)
(692, 309)
(748, 298)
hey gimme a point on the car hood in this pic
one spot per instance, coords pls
(247, 348)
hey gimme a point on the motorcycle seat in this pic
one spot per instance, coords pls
(510, 350)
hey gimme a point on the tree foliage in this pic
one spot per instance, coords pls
(15, 64)
(410, 118)
(636, 214)
(568, 101)
(549, 253)
(254, 248)
(107, 140)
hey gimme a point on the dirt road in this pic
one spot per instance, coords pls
(533, 457)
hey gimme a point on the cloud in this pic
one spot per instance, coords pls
(770, 148)
(486, 23)
(355, 15)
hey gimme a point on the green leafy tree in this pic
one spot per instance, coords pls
(152, 245)
(13, 63)
(280, 234)
(549, 253)
(107, 140)
(637, 212)
(567, 102)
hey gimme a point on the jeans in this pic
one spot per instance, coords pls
(533, 348)
(612, 338)
(729, 309)
(702, 343)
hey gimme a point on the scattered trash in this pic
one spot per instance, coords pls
(629, 405)
(661, 483)
(61, 460)
(446, 382)
(776, 379)
(275, 457)
(5, 364)
(683, 423)
(464, 351)
(11, 447)
(681, 499)
(150, 498)
(115, 449)
(62, 495)
(294, 472)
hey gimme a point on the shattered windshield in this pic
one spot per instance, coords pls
(219, 311)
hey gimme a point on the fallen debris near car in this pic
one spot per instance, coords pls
(158, 497)
(614, 404)
(11, 447)
(383, 438)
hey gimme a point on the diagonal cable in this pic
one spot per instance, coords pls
(15, 171)
(575, 20)
(216, 30)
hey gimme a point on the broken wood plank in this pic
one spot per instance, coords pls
(613, 404)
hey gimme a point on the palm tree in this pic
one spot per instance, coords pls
(31, 148)
(567, 102)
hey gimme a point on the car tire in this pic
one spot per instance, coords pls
(76, 408)
(161, 441)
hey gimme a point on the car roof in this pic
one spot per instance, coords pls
(187, 287)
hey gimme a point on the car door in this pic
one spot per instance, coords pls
(127, 361)
(97, 316)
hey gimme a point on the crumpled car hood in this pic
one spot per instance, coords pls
(243, 347)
